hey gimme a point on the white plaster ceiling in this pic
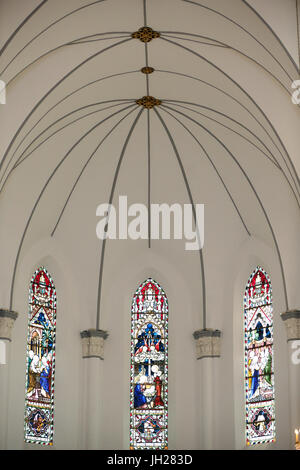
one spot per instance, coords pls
(224, 79)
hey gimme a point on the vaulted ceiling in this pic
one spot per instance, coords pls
(76, 132)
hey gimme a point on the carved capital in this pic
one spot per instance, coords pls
(292, 324)
(7, 320)
(93, 343)
(208, 343)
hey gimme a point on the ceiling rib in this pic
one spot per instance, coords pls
(62, 100)
(213, 165)
(270, 159)
(255, 193)
(170, 108)
(90, 158)
(11, 37)
(85, 61)
(40, 196)
(224, 73)
(110, 202)
(194, 215)
(250, 34)
(20, 160)
(47, 28)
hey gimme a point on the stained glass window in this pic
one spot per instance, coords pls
(259, 369)
(39, 401)
(149, 368)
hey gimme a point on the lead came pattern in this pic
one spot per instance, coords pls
(39, 401)
(149, 368)
(259, 368)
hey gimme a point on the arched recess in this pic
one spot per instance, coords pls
(49, 253)
(119, 287)
(149, 368)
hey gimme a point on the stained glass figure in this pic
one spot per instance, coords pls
(259, 369)
(39, 401)
(149, 368)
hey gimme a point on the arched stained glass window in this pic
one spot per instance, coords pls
(39, 401)
(259, 370)
(149, 368)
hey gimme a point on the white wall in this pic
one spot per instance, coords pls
(72, 256)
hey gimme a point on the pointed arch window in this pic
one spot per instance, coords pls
(259, 363)
(40, 368)
(149, 368)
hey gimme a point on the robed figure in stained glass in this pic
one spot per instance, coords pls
(149, 368)
(39, 405)
(259, 378)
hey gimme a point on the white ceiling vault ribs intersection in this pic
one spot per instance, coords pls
(119, 68)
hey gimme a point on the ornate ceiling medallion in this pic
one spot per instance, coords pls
(145, 34)
(148, 102)
(147, 70)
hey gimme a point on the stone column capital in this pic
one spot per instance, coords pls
(291, 320)
(92, 341)
(208, 343)
(7, 320)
